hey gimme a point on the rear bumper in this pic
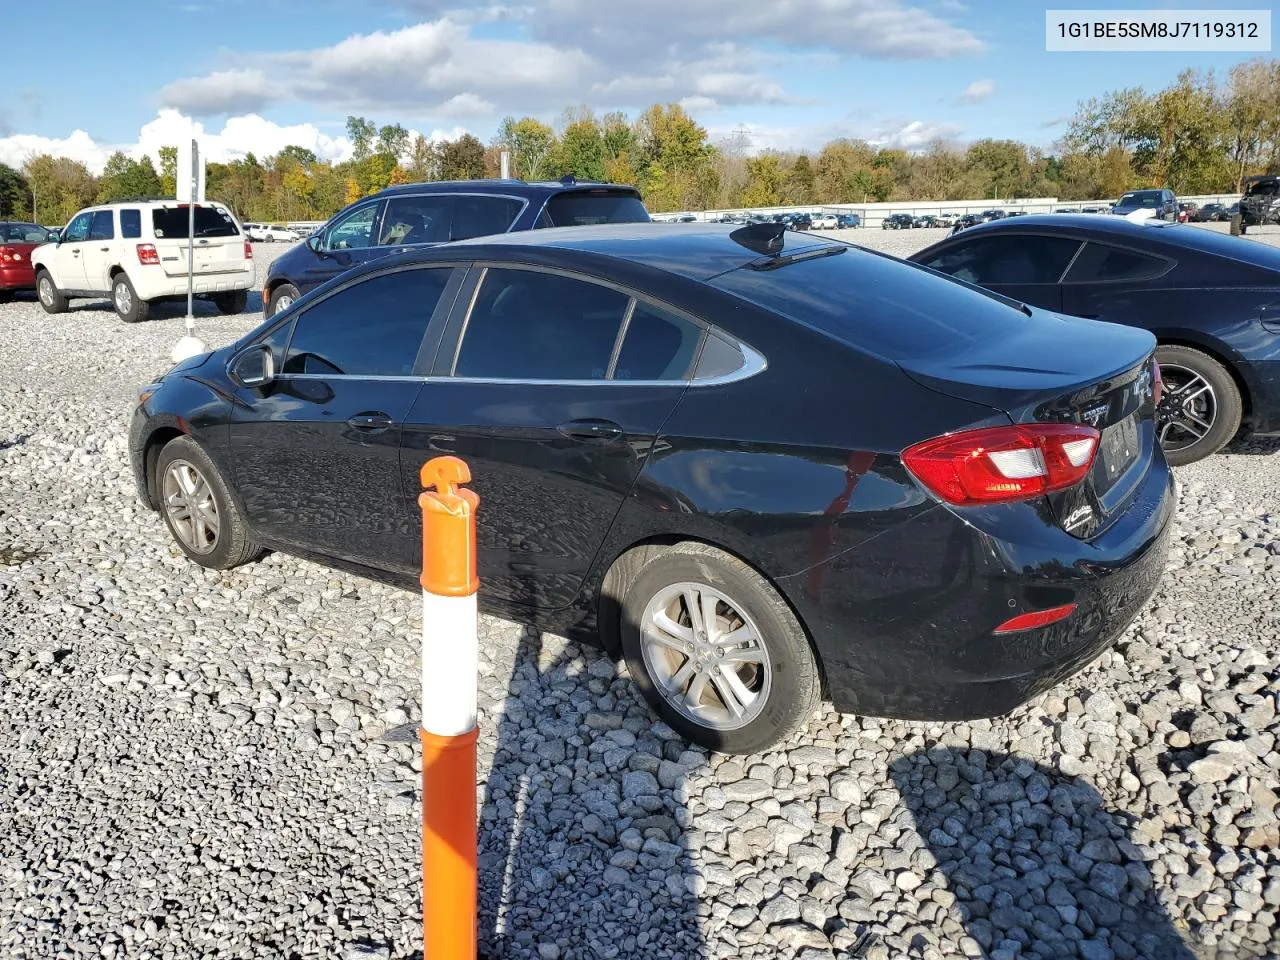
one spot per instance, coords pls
(154, 284)
(17, 277)
(905, 624)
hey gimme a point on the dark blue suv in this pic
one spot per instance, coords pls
(425, 214)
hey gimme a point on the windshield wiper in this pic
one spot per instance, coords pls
(783, 259)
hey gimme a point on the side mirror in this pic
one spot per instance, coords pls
(253, 367)
(53, 237)
(313, 242)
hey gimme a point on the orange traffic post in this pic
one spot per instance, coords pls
(449, 679)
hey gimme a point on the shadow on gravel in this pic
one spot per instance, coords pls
(1038, 865)
(1257, 446)
(582, 851)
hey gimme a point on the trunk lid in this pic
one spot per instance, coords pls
(219, 245)
(1058, 369)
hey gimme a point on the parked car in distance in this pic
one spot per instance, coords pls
(848, 221)
(898, 221)
(989, 215)
(275, 233)
(1188, 212)
(969, 540)
(825, 221)
(1162, 203)
(1261, 202)
(137, 253)
(1067, 210)
(799, 221)
(254, 231)
(925, 221)
(18, 240)
(1095, 210)
(1212, 301)
(425, 214)
(966, 221)
(1214, 213)
(1016, 213)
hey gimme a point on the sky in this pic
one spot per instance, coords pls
(257, 75)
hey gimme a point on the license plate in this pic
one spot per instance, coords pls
(1119, 447)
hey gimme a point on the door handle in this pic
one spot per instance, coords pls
(590, 430)
(75, 253)
(105, 249)
(371, 422)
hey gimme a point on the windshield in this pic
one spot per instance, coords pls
(582, 208)
(22, 233)
(172, 222)
(1142, 198)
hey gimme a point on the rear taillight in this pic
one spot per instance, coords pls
(147, 255)
(1157, 382)
(248, 250)
(1001, 464)
(10, 256)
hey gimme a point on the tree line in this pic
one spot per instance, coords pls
(1201, 134)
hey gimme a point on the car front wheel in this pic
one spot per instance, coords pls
(714, 648)
(198, 508)
(1200, 405)
(50, 297)
(282, 298)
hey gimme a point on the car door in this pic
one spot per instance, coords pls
(553, 391)
(1023, 266)
(69, 257)
(98, 249)
(350, 241)
(317, 451)
(1108, 282)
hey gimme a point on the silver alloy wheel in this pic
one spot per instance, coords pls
(46, 290)
(123, 297)
(283, 303)
(190, 506)
(706, 657)
(1188, 407)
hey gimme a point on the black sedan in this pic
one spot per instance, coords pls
(1213, 302)
(898, 221)
(764, 466)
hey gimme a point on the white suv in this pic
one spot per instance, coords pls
(137, 253)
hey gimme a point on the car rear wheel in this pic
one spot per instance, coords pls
(49, 295)
(282, 297)
(124, 298)
(6, 296)
(1200, 405)
(714, 648)
(198, 508)
(233, 302)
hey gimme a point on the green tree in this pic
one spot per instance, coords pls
(1002, 165)
(801, 186)
(529, 142)
(124, 178)
(15, 194)
(423, 161)
(393, 142)
(169, 172)
(764, 181)
(294, 155)
(361, 133)
(60, 186)
(580, 149)
(462, 159)
(844, 172)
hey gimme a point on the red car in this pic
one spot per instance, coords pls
(17, 240)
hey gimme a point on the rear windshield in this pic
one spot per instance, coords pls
(22, 233)
(171, 222)
(886, 306)
(1142, 198)
(1263, 187)
(1224, 245)
(582, 208)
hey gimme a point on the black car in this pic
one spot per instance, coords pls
(989, 215)
(979, 533)
(1162, 203)
(1261, 202)
(425, 214)
(1214, 213)
(800, 221)
(925, 221)
(898, 221)
(965, 222)
(1213, 302)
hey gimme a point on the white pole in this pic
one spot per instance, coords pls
(506, 164)
(191, 239)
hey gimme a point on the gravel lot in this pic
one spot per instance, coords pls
(193, 763)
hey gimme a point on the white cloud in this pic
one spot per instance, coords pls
(237, 137)
(977, 91)
(913, 135)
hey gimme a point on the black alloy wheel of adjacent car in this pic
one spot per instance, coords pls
(1200, 405)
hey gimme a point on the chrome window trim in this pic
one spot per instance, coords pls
(622, 335)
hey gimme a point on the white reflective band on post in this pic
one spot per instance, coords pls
(450, 664)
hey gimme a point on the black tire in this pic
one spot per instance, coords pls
(1228, 405)
(232, 546)
(48, 294)
(234, 302)
(6, 296)
(793, 687)
(1237, 227)
(125, 300)
(285, 290)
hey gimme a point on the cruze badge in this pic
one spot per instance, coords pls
(1093, 415)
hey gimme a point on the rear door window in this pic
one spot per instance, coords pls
(483, 216)
(420, 219)
(657, 346)
(102, 227)
(370, 329)
(171, 223)
(531, 325)
(131, 224)
(1100, 262)
(1016, 258)
(579, 208)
